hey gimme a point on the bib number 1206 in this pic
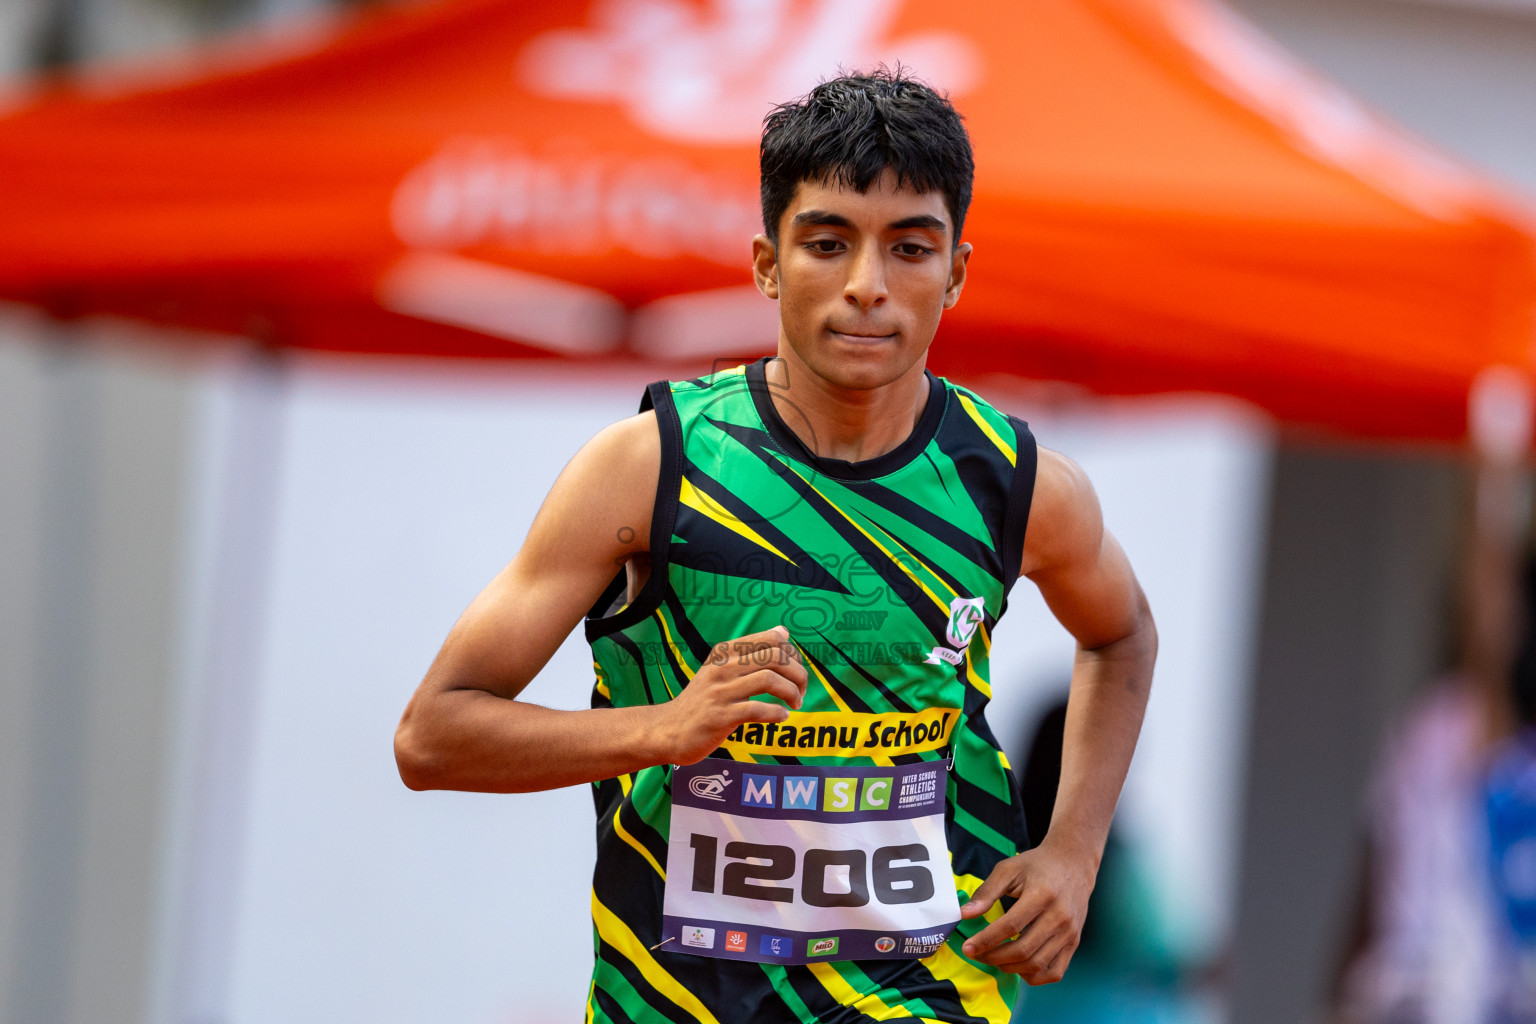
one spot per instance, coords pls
(896, 872)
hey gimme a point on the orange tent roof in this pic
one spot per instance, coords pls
(1163, 202)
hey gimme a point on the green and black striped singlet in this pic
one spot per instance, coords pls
(890, 575)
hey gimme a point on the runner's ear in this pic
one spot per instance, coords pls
(765, 266)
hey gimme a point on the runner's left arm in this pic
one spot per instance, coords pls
(1088, 584)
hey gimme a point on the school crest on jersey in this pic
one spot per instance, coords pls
(965, 616)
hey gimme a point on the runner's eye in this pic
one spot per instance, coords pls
(913, 249)
(824, 246)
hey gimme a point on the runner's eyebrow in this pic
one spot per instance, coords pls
(826, 218)
(823, 218)
(925, 220)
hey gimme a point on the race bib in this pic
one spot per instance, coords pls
(793, 864)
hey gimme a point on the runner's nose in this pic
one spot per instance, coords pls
(866, 285)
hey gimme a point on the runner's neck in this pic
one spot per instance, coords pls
(841, 423)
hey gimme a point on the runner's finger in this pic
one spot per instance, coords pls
(1058, 968)
(793, 663)
(1038, 970)
(1031, 955)
(782, 654)
(743, 662)
(760, 711)
(764, 681)
(1017, 950)
(988, 892)
(1050, 925)
(775, 685)
(1012, 923)
(1053, 970)
(746, 650)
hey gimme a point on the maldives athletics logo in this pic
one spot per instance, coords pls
(965, 617)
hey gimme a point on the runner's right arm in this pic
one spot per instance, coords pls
(465, 729)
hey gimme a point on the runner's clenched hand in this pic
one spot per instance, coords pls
(1037, 936)
(719, 696)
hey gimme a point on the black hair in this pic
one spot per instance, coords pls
(848, 130)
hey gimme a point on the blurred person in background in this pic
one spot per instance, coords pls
(1445, 931)
(1127, 969)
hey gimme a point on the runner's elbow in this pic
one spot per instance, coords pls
(1146, 625)
(420, 766)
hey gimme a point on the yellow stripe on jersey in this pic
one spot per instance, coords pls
(986, 428)
(914, 555)
(618, 935)
(704, 505)
(838, 988)
(974, 677)
(970, 670)
(986, 640)
(977, 989)
(871, 537)
(624, 834)
(677, 652)
(831, 690)
(968, 884)
(884, 762)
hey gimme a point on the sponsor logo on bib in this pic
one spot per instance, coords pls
(884, 944)
(924, 944)
(710, 787)
(821, 947)
(774, 945)
(736, 942)
(699, 938)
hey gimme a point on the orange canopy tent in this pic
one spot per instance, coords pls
(1163, 202)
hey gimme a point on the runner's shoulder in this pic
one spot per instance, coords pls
(1064, 515)
(615, 475)
(626, 452)
(634, 436)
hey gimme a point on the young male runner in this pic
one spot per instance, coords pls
(795, 783)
